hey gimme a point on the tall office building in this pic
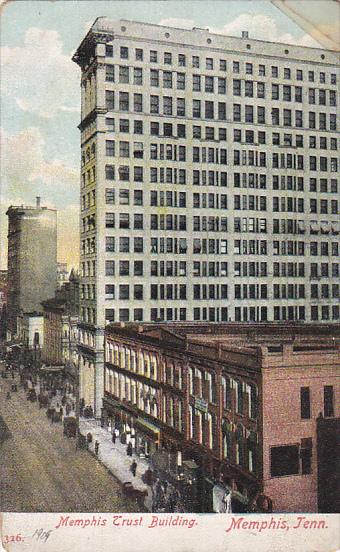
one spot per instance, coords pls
(209, 180)
(32, 259)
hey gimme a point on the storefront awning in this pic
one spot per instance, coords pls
(51, 368)
(145, 424)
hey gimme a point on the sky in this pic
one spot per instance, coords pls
(40, 89)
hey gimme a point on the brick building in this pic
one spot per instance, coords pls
(241, 403)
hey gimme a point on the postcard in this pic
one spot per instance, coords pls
(169, 279)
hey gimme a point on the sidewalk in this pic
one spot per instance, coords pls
(114, 457)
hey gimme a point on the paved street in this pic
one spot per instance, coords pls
(41, 470)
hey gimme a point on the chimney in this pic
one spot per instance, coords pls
(245, 34)
(38, 201)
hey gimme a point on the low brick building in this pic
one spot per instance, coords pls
(240, 402)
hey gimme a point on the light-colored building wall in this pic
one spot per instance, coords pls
(238, 224)
(31, 330)
(32, 259)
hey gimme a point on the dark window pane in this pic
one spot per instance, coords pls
(284, 460)
(305, 402)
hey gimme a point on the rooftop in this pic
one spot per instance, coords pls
(199, 38)
(246, 342)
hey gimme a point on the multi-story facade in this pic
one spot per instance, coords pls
(60, 323)
(62, 274)
(32, 260)
(209, 183)
(3, 302)
(219, 398)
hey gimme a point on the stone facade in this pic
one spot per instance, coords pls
(208, 181)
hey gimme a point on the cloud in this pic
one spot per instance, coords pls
(259, 26)
(27, 173)
(39, 77)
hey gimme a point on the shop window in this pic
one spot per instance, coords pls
(284, 460)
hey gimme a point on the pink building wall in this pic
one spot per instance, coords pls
(283, 376)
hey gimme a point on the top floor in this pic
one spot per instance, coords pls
(253, 348)
(197, 40)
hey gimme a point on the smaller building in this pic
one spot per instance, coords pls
(62, 274)
(31, 330)
(236, 404)
(32, 260)
(60, 321)
(3, 302)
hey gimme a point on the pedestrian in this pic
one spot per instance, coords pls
(129, 449)
(96, 447)
(133, 468)
(113, 437)
(8, 396)
(88, 439)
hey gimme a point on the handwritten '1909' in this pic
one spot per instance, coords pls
(41, 534)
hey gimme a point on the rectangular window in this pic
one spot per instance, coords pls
(154, 104)
(110, 148)
(110, 73)
(138, 103)
(284, 460)
(137, 75)
(110, 220)
(153, 56)
(168, 58)
(305, 403)
(124, 52)
(139, 54)
(328, 401)
(154, 77)
(109, 50)
(109, 268)
(124, 74)
(109, 100)
(123, 101)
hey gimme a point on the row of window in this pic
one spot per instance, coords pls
(285, 93)
(217, 314)
(220, 269)
(210, 63)
(218, 84)
(292, 226)
(220, 134)
(219, 155)
(216, 246)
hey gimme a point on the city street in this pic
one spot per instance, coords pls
(41, 470)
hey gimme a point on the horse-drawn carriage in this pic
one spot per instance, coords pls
(31, 395)
(43, 400)
(70, 426)
(130, 492)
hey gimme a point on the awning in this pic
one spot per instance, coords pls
(335, 227)
(314, 226)
(144, 424)
(51, 368)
